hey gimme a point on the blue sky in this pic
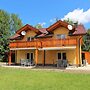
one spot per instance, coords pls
(43, 11)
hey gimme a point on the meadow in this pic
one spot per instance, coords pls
(29, 79)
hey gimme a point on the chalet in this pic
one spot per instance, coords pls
(48, 46)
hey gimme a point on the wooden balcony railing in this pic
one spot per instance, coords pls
(59, 42)
(24, 44)
(43, 43)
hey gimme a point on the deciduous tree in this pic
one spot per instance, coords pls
(9, 23)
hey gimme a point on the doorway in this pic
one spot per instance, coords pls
(61, 62)
(83, 59)
(13, 57)
(61, 56)
(30, 57)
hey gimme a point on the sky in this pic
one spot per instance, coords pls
(45, 11)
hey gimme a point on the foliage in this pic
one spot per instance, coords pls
(15, 23)
(71, 22)
(38, 26)
(9, 23)
(4, 31)
(26, 79)
(86, 38)
(86, 41)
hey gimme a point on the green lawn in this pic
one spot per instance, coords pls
(26, 79)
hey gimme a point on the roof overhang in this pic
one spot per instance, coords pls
(32, 48)
(58, 48)
(59, 23)
(28, 27)
(47, 48)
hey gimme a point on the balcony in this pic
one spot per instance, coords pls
(43, 43)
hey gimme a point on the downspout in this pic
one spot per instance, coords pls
(79, 51)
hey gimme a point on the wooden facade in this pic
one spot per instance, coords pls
(86, 56)
(48, 45)
(44, 43)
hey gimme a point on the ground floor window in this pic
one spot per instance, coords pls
(62, 56)
(30, 56)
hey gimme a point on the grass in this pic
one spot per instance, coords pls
(26, 79)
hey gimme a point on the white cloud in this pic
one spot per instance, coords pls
(52, 20)
(78, 15)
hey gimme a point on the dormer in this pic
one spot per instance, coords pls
(26, 33)
(62, 29)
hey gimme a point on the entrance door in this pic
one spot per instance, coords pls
(13, 57)
(30, 57)
(83, 58)
(62, 62)
(61, 56)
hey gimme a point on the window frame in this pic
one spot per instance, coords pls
(60, 36)
(30, 38)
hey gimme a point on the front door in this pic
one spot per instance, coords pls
(30, 57)
(62, 60)
(61, 56)
(83, 59)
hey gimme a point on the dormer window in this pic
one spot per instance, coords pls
(60, 36)
(30, 38)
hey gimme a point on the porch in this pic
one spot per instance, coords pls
(45, 52)
(47, 56)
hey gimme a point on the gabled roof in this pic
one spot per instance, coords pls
(14, 37)
(24, 28)
(79, 30)
(27, 27)
(43, 30)
(58, 24)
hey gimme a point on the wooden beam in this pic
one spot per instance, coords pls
(9, 60)
(44, 57)
(36, 56)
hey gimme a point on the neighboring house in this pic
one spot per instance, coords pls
(47, 46)
(85, 57)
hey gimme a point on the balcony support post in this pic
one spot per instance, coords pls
(44, 57)
(9, 58)
(36, 56)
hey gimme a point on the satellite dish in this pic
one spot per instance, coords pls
(70, 27)
(23, 33)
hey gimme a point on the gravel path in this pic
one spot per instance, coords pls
(84, 69)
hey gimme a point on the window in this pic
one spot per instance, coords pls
(62, 56)
(30, 38)
(61, 36)
(27, 55)
(59, 55)
(30, 56)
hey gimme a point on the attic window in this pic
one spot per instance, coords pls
(60, 36)
(30, 38)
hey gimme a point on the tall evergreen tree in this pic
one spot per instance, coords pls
(4, 31)
(71, 22)
(15, 23)
(9, 23)
(86, 41)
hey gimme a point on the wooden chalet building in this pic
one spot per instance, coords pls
(47, 46)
